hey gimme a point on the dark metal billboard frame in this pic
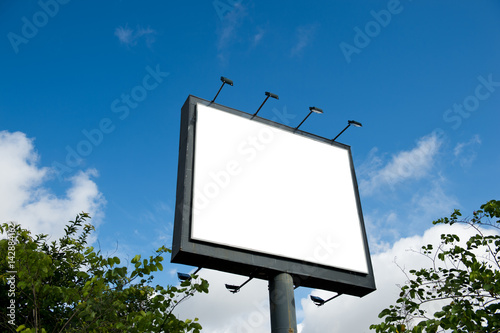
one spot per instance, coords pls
(248, 263)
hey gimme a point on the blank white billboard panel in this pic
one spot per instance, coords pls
(267, 190)
(257, 198)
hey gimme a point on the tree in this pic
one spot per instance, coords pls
(67, 286)
(464, 280)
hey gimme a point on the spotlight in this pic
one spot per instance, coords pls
(234, 289)
(268, 94)
(183, 277)
(224, 81)
(311, 110)
(349, 123)
(319, 301)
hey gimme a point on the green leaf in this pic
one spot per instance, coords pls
(136, 259)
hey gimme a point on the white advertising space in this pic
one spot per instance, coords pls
(267, 190)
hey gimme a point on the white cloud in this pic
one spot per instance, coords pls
(227, 30)
(24, 197)
(409, 188)
(404, 166)
(220, 311)
(124, 34)
(408, 213)
(382, 227)
(258, 36)
(304, 36)
(431, 203)
(157, 218)
(130, 37)
(351, 314)
(465, 152)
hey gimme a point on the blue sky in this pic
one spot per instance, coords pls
(91, 98)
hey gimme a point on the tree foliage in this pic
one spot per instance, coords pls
(464, 280)
(67, 286)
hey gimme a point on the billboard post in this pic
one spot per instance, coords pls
(282, 304)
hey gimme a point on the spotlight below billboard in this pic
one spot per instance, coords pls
(255, 197)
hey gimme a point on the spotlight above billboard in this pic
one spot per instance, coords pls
(255, 197)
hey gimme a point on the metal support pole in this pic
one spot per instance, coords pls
(223, 83)
(260, 107)
(282, 304)
(335, 138)
(296, 128)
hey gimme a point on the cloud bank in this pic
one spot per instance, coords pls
(405, 166)
(25, 197)
(248, 311)
(130, 37)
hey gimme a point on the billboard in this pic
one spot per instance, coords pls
(255, 197)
